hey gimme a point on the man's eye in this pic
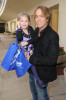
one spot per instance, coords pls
(41, 16)
(36, 16)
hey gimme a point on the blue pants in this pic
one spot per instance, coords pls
(37, 92)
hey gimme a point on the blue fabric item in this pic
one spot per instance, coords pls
(15, 59)
(7, 62)
(22, 64)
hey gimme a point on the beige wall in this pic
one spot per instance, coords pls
(62, 18)
(32, 21)
(6, 26)
(12, 26)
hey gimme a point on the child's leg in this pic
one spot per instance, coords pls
(35, 74)
(39, 82)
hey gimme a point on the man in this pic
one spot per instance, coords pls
(46, 47)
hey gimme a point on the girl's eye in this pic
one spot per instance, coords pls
(24, 21)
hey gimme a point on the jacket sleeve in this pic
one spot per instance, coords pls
(52, 53)
(19, 35)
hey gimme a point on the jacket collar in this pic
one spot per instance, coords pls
(43, 31)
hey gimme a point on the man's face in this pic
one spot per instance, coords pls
(40, 19)
(24, 22)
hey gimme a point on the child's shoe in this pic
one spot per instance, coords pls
(41, 84)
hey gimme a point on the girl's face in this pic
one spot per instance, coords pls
(24, 22)
(40, 19)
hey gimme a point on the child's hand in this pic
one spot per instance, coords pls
(18, 24)
(26, 53)
(27, 56)
(24, 43)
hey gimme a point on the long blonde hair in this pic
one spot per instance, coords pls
(45, 11)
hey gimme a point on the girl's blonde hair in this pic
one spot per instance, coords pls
(23, 14)
(45, 11)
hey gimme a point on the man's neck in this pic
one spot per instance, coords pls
(41, 28)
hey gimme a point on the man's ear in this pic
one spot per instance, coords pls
(47, 20)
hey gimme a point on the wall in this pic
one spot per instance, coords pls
(12, 26)
(32, 21)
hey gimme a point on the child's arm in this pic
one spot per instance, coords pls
(24, 43)
(19, 35)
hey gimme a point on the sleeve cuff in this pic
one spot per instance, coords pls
(19, 29)
(33, 60)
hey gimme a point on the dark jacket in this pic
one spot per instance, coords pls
(45, 55)
(20, 33)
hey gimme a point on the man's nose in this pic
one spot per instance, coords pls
(39, 18)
